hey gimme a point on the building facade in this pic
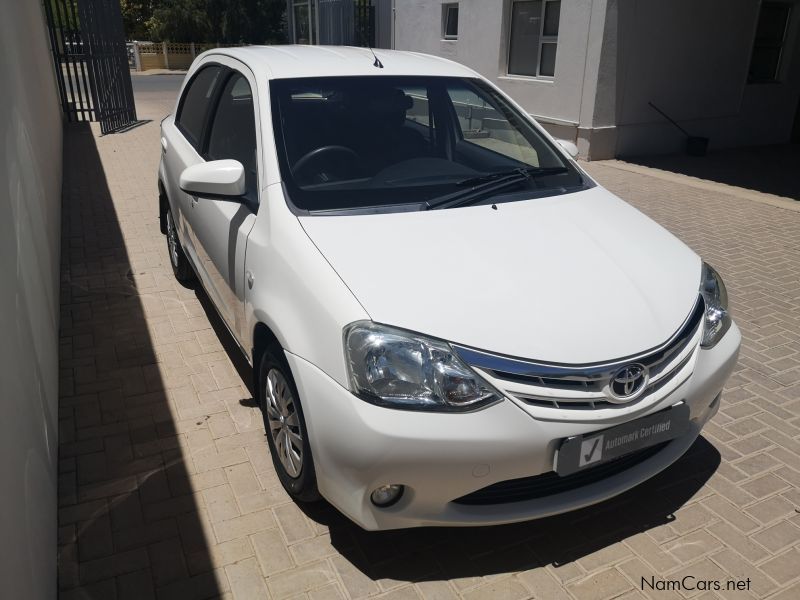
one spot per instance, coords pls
(588, 70)
(341, 22)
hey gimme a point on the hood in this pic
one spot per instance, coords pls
(576, 278)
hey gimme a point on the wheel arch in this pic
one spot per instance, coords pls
(163, 203)
(263, 340)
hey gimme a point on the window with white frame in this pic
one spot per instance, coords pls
(533, 37)
(773, 22)
(304, 22)
(450, 21)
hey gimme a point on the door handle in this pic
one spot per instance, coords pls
(250, 279)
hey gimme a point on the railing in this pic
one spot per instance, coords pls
(144, 56)
(94, 84)
(364, 24)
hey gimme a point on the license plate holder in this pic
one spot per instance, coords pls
(581, 452)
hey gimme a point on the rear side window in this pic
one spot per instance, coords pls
(194, 104)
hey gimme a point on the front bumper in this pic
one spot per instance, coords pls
(440, 457)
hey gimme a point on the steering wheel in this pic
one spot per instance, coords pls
(316, 153)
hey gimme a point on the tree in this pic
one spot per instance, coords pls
(275, 25)
(224, 21)
(180, 21)
(248, 21)
(135, 15)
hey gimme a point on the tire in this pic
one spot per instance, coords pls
(284, 422)
(177, 258)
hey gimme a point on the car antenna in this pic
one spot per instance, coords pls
(377, 62)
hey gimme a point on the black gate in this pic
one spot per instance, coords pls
(91, 61)
(364, 24)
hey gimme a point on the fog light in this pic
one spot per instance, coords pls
(386, 495)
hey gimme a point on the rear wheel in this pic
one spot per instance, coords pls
(177, 258)
(285, 424)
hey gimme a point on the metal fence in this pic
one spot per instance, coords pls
(335, 22)
(364, 25)
(88, 45)
(336, 19)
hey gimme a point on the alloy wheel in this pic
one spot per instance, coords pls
(284, 423)
(172, 240)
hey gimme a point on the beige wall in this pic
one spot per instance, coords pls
(690, 57)
(562, 104)
(30, 223)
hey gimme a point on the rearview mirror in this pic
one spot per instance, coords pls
(215, 179)
(570, 147)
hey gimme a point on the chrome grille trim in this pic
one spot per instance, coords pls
(519, 368)
(600, 401)
(582, 386)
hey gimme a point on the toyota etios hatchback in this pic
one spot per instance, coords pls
(450, 323)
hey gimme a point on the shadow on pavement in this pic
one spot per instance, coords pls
(451, 553)
(133, 125)
(129, 520)
(768, 169)
(238, 360)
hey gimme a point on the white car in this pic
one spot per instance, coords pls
(449, 321)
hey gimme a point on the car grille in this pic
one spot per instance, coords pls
(549, 484)
(583, 387)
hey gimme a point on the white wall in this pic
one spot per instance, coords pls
(30, 201)
(559, 102)
(690, 57)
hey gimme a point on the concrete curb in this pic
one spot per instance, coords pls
(151, 72)
(704, 184)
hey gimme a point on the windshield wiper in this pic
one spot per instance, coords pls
(487, 184)
(477, 192)
(527, 171)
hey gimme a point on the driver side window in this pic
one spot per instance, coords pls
(233, 131)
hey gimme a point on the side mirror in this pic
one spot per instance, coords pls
(215, 179)
(570, 147)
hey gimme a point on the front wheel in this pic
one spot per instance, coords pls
(287, 434)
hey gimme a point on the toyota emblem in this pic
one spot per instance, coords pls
(628, 383)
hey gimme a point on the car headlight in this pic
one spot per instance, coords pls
(400, 369)
(717, 319)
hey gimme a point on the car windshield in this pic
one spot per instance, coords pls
(392, 142)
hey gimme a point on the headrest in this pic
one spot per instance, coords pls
(389, 101)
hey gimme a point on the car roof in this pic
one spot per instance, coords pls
(283, 62)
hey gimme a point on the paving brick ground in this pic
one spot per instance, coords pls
(166, 489)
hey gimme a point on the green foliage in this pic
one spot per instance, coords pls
(179, 21)
(65, 12)
(219, 21)
(135, 16)
(248, 21)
